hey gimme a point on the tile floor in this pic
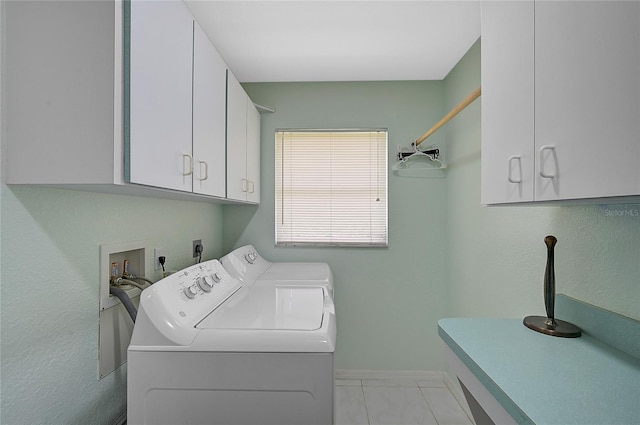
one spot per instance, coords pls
(397, 402)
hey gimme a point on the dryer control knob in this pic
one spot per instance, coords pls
(205, 283)
(216, 278)
(250, 258)
(190, 291)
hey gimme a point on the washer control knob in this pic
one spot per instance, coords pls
(190, 291)
(205, 283)
(251, 257)
(216, 278)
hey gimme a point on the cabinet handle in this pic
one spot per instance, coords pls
(244, 185)
(206, 170)
(252, 186)
(509, 171)
(190, 167)
(542, 150)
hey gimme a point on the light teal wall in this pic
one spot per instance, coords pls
(387, 300)
(496, 255)
(49, 293)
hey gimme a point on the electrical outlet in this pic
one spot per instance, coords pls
(195, 244)
(157, 253)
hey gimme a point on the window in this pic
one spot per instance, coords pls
(331, 187)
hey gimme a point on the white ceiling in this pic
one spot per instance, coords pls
(337, 40)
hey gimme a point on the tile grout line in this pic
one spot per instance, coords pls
(426, 400)
(460, 398)
(364, 398)
(385, 376)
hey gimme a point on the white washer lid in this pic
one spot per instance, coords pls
(269, 308)
(270, 318)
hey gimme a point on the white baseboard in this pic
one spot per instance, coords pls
(388, 374)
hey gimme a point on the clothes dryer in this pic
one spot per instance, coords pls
(248, 266)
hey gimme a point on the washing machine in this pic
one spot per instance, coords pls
(209, 349)
(248, 266)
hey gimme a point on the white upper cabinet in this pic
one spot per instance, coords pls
(587, 115)
(507, 101)
(209, 91)
(243, 144)
(567, 126)
(158, 146)
(237, 99)
(59, 93)
(253, 153)
(121, 97)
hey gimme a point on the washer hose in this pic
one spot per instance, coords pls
(126, 301)
(130, 282)
(134, 277)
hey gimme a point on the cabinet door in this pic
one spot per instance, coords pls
(209, 91)
(237, 185)
(58, 92)
(507, 102)
(587, 112)
(253, 153)
(158, 147)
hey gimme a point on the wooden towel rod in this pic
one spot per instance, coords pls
(473, 96)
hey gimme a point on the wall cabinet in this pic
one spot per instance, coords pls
(176, 100)
(158, 130)
(209, 114)
(243, 144)
(253, 153)
(61, 123)
(565, 125)
(73, 68)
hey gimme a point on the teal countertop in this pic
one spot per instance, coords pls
(540, 379)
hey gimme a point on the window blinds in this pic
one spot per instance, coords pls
(331, 187)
